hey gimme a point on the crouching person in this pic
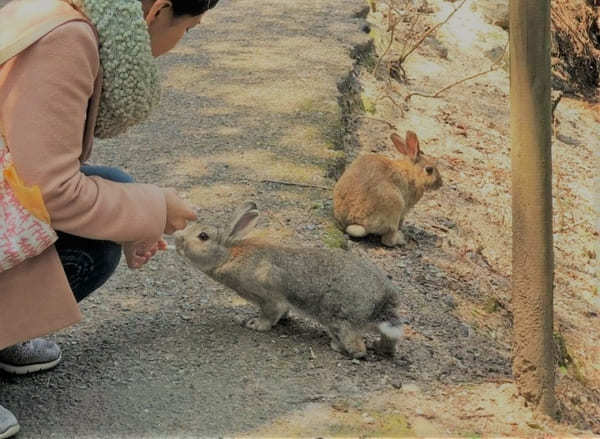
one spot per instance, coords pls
(59, 60)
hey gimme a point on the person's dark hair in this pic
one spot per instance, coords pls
(192, 7)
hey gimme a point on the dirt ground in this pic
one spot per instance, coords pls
(268, 102)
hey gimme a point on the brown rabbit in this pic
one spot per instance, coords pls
(375, 193)
(345, 293)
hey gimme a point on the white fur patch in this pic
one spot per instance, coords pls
(393, 332)
(356, 231)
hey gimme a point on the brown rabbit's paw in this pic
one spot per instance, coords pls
(393, 239)
(258, 324)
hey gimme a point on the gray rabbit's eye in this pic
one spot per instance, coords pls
(429, 170)
(203, 236)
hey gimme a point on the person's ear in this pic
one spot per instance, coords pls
(158, 7)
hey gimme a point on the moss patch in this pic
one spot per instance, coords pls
(368, 104)
(334, 238)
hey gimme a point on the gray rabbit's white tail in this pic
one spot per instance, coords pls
(388, 330)
(390, 335)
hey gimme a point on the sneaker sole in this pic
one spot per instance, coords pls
(10, 432)
(29, 368)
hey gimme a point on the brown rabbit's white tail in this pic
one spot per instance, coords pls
(356, 231)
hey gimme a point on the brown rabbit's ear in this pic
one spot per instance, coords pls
(244, 221)
(408, 148)
(412, 142)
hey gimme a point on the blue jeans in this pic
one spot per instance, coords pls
(88, 263)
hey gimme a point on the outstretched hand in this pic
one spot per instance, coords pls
(178, 212)
(137, 254)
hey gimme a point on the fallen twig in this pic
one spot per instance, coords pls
(493, 67)
(292, 183)
(443, 229)
(475, 416)
(376, 119)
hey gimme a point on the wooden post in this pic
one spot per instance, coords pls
(533, 258)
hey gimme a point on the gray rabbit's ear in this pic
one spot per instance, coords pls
(244, 221)
(409, 148)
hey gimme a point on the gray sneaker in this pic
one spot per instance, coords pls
(31, 356)
(8, 424)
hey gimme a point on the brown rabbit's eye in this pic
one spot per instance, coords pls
(203, 236)
(429, 170)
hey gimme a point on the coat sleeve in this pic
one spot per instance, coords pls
(43, 110)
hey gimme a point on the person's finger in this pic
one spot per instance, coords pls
(134, 262)
(178, 224)
(190, 215)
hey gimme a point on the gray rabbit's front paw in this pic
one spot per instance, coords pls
(258, 324)
(336, 346)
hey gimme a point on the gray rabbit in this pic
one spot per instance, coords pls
(344, 293)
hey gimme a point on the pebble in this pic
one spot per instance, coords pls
(368, 419)
(397, 384)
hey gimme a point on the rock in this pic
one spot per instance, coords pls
(466, 330)
(493, 11)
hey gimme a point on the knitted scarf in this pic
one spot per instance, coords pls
(130, 77)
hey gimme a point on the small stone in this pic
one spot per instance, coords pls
(368, 419)
(449, 301)
(466, 330)
(397, 384)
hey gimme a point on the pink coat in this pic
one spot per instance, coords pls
(49, 96)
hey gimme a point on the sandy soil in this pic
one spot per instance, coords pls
(267, 102)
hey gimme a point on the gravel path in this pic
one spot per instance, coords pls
(250, 100)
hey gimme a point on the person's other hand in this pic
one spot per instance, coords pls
(137, 254)
(178, 212)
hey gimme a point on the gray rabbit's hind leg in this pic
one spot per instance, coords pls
(347, 340)
(270, 314)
